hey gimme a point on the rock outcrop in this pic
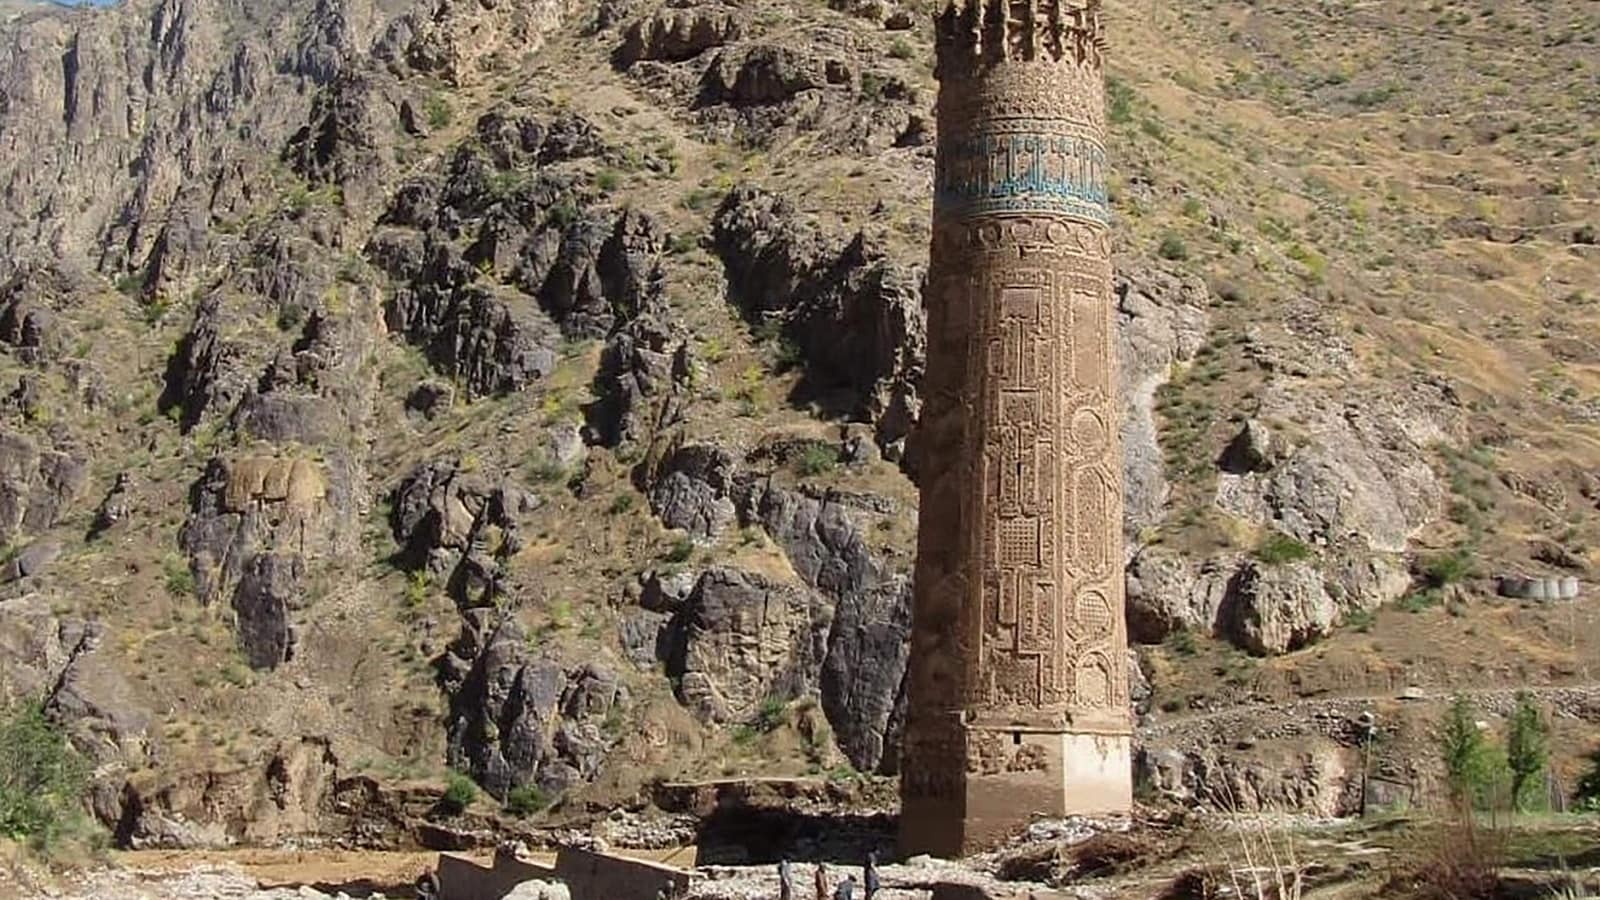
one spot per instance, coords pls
(517, 718)
(855, 315)
(459, 527)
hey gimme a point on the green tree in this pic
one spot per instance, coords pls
(42, 780)
(1473, 768)
(1527, 751)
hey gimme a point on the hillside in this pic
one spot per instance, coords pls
(529, 389)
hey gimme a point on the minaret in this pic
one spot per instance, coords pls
(1019, 689)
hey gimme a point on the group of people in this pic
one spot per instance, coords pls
(846, 889)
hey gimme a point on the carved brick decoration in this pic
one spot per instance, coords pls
(1018, 692)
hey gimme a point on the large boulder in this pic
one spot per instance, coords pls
(692, 489)
(743, 639)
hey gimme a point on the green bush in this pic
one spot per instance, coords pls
(1448, 569)
(526, 800)
(1278, 549)
(42, 779)
(179, 580)
(681, 551)
(1181, 642)
(459, 792)
(438, 111)
(902, 49)
(773, 714)
(1119, 101)
(817, 460)
(1173, 248)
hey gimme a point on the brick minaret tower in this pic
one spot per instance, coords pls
(1019, 689)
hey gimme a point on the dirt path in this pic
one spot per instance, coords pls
(352, 870)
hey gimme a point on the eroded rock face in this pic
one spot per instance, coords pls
(855, 314)
(674, 35)
(37, 486)
(742, 639)
(1161, 322)
(692, 489)
(1362, 472)
(259, 523)
(642, 383)
(57, 661)
(517, 718)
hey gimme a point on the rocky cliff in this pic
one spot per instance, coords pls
(530, 388)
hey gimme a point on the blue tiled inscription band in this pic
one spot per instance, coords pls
(1023, 172)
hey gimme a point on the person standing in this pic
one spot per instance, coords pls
(847, 889)
(870, 876)
(822, 881)
(785, 880)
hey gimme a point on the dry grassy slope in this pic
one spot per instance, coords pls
(1426, 174)
(1347, 154)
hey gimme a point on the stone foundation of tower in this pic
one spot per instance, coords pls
(1034, 775)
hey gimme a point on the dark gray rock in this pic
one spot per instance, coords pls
(862, 683)
(33, 560)
(267, 595)
(516, 718)
(691, 489)
(459, 526)
(37, 486)
(642, 385)
(431, 399)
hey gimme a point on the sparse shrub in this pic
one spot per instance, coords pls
(526, 800)
(682, 242)
(179, 580)
(1173, 248)
(621, 504)
(1360, 620)
(818, 459)
(681, 551)
(902, 49)
(131, 284)
(1418, 601)
(701, 199)
(1119, 101)
(1448, 569)
(437, 109)
(608, 180)
(774, 713)
(418, 588)
(1278, 549)
(42, 779)
(1181, 642)
(459, 792)
(562, 214)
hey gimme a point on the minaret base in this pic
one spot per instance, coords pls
(1015, 778)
